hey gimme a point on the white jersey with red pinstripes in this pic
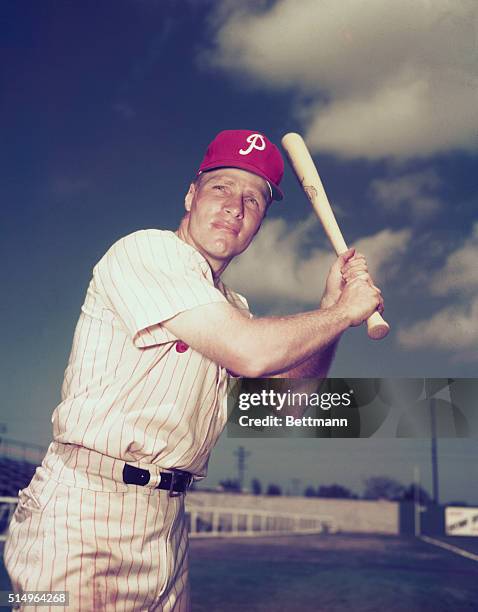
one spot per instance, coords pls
(131, 390)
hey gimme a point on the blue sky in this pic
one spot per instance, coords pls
(106, 111)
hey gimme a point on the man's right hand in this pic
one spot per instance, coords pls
(359, 299)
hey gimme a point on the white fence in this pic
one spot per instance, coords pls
(214, 522)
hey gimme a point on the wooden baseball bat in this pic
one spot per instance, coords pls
(306, 171)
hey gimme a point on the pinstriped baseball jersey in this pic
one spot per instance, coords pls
(132, 390)
(134, 393)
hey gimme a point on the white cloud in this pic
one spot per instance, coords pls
(460, 273)
(384, 251)
(413, 192)
(272, 267)
(454, 327)
(281, 269)
(381, 78)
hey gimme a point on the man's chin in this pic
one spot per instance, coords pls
(221, 253)
(222, 247)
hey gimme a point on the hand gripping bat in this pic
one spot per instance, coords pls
(304, 167)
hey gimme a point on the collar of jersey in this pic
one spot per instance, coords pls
(201, 260)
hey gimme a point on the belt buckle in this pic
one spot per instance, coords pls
(176, 474)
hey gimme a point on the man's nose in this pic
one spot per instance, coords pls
(235, 206)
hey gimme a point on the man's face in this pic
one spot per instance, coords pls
(225, 212)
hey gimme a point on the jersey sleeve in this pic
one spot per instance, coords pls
(237, 300)
(149, 277)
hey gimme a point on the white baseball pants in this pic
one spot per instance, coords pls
(111, 547)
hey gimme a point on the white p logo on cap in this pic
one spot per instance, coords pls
(252, 140)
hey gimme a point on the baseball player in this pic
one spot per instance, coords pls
(143, 393)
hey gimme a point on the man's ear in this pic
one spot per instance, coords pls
(189, 197)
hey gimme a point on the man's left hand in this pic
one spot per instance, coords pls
(346, 267)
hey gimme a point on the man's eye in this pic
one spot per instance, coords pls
(253, 201)
(219, 187)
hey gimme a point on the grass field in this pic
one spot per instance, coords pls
(332, 573)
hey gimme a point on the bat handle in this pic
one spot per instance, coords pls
(377, 327)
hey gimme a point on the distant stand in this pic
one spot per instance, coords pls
(18, 462)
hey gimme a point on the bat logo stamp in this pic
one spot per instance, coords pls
(311, 192)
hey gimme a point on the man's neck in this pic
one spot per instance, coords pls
(217, 266)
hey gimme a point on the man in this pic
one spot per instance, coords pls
(143, 394)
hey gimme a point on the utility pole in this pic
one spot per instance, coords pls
(446, 423)
(433, 422)
(241, 455)
(416, 500)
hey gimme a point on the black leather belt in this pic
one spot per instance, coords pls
(176, 481)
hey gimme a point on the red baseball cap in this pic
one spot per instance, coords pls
(247, 150)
